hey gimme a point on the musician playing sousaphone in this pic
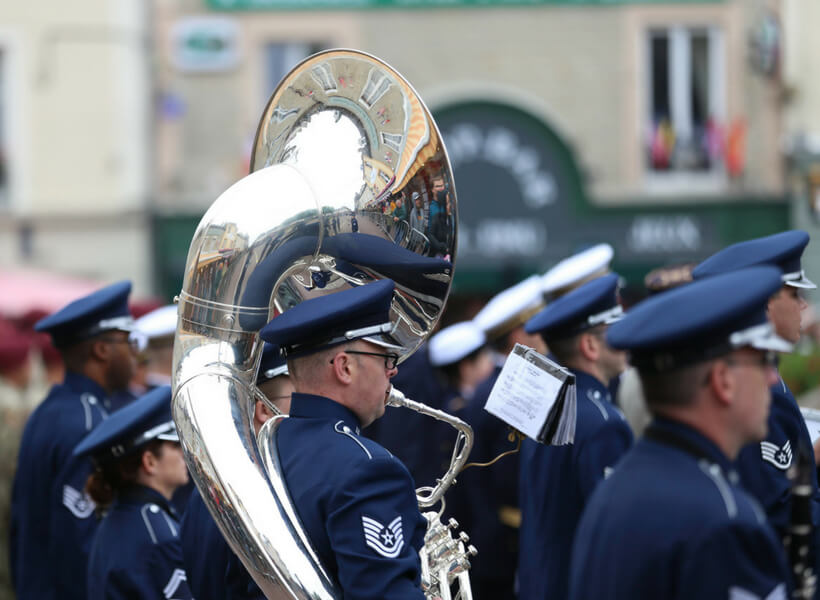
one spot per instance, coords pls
(342, 135)
(355, 499)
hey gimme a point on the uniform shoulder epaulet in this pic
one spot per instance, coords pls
(368, 447)
(597, 399)
(159, 525)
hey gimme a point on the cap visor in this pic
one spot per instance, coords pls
(771, 341)
(803, 283)
(170, 436)
(380, 340)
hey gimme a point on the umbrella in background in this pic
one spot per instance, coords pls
(25, 290)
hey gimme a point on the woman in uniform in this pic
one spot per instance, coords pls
(136, 552)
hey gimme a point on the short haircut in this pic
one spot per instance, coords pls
(565, 349)
(303, 369)
(674, 388)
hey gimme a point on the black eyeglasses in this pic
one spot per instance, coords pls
(390, 359)
(132, 342)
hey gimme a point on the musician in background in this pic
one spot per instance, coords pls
(138, 463)
(556, 482)
(672, 521)
(462, 359)
(214, 571)
(763, 467)
(487, 499)
(356, 500)
(51, 516)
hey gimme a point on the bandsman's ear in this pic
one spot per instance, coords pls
(588, 346)
(343, 367)
(100, 350)
(721, 382)
(149, 462)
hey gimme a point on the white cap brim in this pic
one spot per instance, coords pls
(761, 337)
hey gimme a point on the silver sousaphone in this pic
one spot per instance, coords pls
(342, 137)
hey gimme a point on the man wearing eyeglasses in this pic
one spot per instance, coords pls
(52, 519)
(356, 500)
(764, 467)
(673, 520)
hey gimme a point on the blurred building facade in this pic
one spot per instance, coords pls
(75, 138)
(656, 126)
(802, 119)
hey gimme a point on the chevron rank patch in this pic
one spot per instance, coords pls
(386, 540)
(780, 457)
(79, 503)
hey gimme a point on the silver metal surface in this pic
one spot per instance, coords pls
(342, 136)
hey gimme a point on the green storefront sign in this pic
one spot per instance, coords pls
(523, 206)
(433, 4)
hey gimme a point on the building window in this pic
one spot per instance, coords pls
(324, 77)
(376, 87)
(392, 140)
(686, 101)
(280, 58)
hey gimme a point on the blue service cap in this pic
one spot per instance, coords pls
(125, 431)
(353, 253)
(272, 364)
(782, 250)
(701, 320)
(594, 303)
(361, 312)
(104, 310)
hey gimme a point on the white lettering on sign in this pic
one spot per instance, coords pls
(664, 234)
(501, 147)
(500, 237)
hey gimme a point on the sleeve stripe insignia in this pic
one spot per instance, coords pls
(780, 457)
(177, 577)
(387, 540)
(78, 503)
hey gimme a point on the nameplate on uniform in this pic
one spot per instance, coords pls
(536, 396)
(812, 417)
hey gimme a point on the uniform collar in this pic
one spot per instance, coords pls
(319, 407)
(140, 494)
(584, 380)
(701, 446)
(80, 384)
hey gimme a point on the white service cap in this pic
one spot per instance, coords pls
(455, 342)
(160, 322)
(577, 269)
(511, 308)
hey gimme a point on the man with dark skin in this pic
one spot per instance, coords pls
(51, 516)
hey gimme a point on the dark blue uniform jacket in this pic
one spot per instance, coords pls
(214, 572)
(355, 500)
(136, 554)
(557, 482)
(52, 520)
(763, 467)
(672, 522)
(486, 500)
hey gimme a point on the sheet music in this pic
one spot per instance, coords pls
(523, 395)
(812, 417)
